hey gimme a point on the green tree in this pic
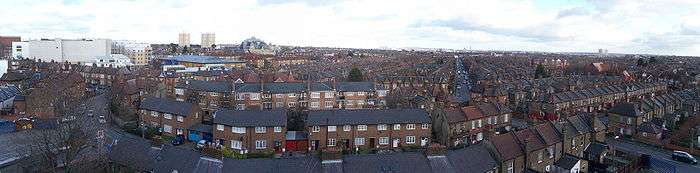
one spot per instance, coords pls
(355, 75)
(540, 72)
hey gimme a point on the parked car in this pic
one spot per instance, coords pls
(179, 139)
(200, 145)
(683, 156)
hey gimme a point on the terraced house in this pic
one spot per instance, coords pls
(600, 98)
(368, 128)
(171, 117)
(209, 95)
(472, 123)
(312, 95)
(357, 95)
(250, 130)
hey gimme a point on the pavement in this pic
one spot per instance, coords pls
(655, 152)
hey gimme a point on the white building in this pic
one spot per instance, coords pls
(184, 39)
(62, 50)
(113, 60)
(139, 53)
(208, 39)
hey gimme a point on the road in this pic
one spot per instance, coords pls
(657, 153)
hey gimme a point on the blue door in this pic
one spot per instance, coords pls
(194, 136)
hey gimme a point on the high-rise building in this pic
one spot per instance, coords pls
(208, 39)
(62, 50)
(184, 39)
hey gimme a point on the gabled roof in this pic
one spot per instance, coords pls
(475, 158)
(626, 109)
(354, 86)
(534, 142)
(250, 118)
(506, 146)
(265, 165)
(567, 162)
(177, 159)
(367, 116)
(650, 128)
(395, 162)
(454, 115)
(133, 153)
(548, 133)
(167, 106)
(208, 86)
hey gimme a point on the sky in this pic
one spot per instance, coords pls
(669, 27)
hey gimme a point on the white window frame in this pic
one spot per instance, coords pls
(238, 130)
(154, 114)
(347, 128)
(410, 126)
(260, 144)
(425, 126)
(278, 129)
(315, 129)
(410, 139)
(361, 127)
(397, 126)
(260, 129)
(383, 140)
(331, 142)
(359, 141)
(168, 116)
(381, 127)
(314, 105)
(315, 95)
(332, 128)
(167, 128)
(180, 118)
(329, 95)
(236, 144)
(220, 127)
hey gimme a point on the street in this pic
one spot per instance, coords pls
(657, 153)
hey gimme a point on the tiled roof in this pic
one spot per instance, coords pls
(395, 162)
(288, 165)
(567, 162)
(354, 86)
(626, 109)
(507, 146)
(250, 118)
(475, 158)
(367, 116)
(208, 86)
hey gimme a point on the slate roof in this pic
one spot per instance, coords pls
(626, 109)
(208, 86)
(395, 162)
(265, 165)
(176, 158)
(454, 115)
(250, 118)
(367, 116)
(133, 153)
(595, 149)
(8, 92)
(567, 162)
(650, 128)
(534, 142)
(354, 86)
(167, 106)
(201, 127)
(285, 87)
(548, 133)
(475, 158)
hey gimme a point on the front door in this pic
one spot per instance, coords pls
(371, 143)
(395, 143)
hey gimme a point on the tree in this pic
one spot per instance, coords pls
(652, 60)
(540, 72)
(355, 75)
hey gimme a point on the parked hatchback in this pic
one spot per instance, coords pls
(683, 156)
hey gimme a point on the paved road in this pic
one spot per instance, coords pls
(657, 153)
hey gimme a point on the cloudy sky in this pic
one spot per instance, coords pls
(621, 26)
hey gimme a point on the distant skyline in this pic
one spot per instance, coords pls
(669, 27)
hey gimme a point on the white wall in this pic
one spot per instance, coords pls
(19, 49)
(68, 50)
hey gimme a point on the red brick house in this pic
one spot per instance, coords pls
(172, 117)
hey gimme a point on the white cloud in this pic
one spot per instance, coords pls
(627, 26)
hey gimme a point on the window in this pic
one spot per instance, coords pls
(220, 127)
(329, 95)
(410, 126)
(347, 128)
(179, 131)
(349, 93)
(361, 127)
(331, 142)
(510, 167)
(360, 93)
(332, 128)
(279, 104)
(329, 104)
(381, 127)
(154, 113)
(424, 126)
(179, 91)
(506, 118)
(180, 119)
(383, 140)
(315, 95)
(236, 144)
(260, 129)
(397, 126)
(550, 151)
(539, 157)
(478, 123)
(573, 143)
(629, 120)
(292, 95)
(167, 128)
(291, 104)
(315, 129)
(314, 104)
(167, 116)
(410, 139)
(473, 125)
(260, 144)
(255, 96)
(359, 141)
(239, 130)
(278, 129)
(279, 96)
(214, 94)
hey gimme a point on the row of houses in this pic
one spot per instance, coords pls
(266, 130)
(212, 95)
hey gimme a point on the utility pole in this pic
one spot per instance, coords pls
(527, 163)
